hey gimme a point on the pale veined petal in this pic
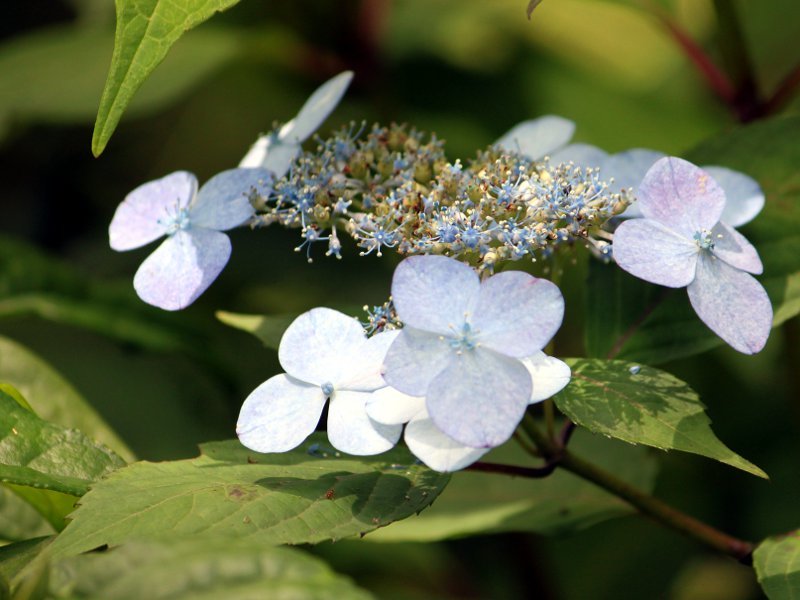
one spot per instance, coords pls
(182, 267)
(479, 399)
(414, 359)
(628, 168)
(258, 152)
(744, 198)
(320, 345)
(681, 196)
(279, 414)
(583, 155)
(650, 251)
(280, 157)
(437, 450)
(434, 293)
(316, 109)
(145, 213)
(732, 247)
(224, 200)
(352, 431)
(516, 314)
(538, 137)
(549, 376)
(364, 371)
(392, 407)
(732, 303)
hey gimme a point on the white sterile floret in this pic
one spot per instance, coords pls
(434, 447)
(463, 344)
(537, 138)
(326, 355)
(276, 151)
(195, 250)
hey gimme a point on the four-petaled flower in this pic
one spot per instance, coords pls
(326, 355)
(463, 343)
(681, 242)
(195, 250)
(435, 448)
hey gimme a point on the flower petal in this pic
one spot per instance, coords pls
(479, 398)
(437, 450)
(258, 152)
(351, 430)
(224, 200)
(182, 268)
(651, 251)
(628, 168)
(433, 292)
(279, 414)
(138, 220)
(681, 196)
(732, 303)
(316, 109)
(549, 376)
(517, 314)
(744, 198)
(732, 247)
(320, 345)
(280, 156)
(392, 407)
(538, 137)
(582, 155)
(363, 372)
(414, 359)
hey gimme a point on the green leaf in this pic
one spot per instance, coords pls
(631, 319)
(146, 30)
(560, 504)
(15, 557)
(39, 454)
(267, 328)
(302, 496)
(52, 397)
(777, 565)
(51, 505)
(211, 568)
(643, 405)
(18, 520)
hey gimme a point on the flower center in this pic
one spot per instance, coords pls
(704, 239)
(176, 220)
(464, 338)
(327, 389)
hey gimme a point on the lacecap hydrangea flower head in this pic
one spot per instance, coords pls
(682, 242)
(463, 344)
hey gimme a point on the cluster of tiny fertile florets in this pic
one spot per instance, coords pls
(394, 188)
(381, 318)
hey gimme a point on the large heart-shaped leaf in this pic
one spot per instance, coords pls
(643, 405)
(304, 496)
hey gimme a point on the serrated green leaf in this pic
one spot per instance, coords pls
(146, 30)
(560, 504)
(777, 565)
(52, 397)
(631, 319)
(39, 454)
(302, 496)
(267, 328)
(642, 405)
(213, 568)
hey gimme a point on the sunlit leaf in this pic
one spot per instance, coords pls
(267, 328)
(777, 565)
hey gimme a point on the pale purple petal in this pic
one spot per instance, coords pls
(141, 217)
(414, 359)
(316, 109)
(434, 292)
(435, 449)
(392, 407)
(651, 251)
(516, 314)
(681, 196)
(320, 345)
(352, 431)
(628, 168)
(280, 156)
(258, 152)
(224, 200)
(182, 268)
(744, 198)
(582, 155)
(479, 398)
(732, 247)
(549, 376)
(279, 414)
(538, 137)
(363, 372)
(732, 303)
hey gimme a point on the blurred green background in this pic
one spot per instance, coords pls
(468, 70)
